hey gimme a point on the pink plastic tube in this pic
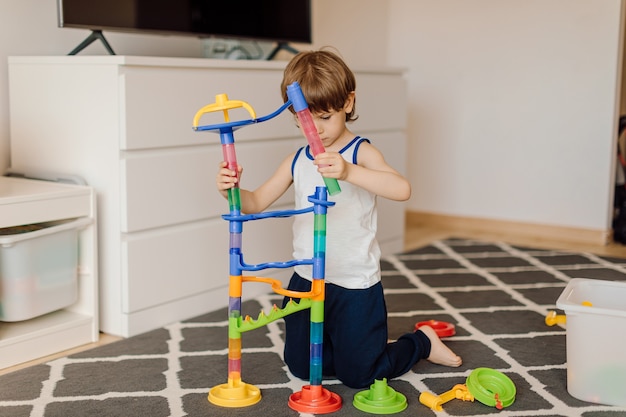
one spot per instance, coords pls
(301, 107)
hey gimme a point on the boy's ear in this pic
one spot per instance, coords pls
(349, 104)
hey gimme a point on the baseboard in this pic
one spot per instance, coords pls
(520, 229)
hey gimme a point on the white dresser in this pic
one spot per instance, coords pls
(25, 202)
(124, 124)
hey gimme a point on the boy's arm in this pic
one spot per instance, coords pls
(260, 199)
(371, 173)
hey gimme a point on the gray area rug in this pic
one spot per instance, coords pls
(496, 294)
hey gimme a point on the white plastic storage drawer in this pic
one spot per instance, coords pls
(38, 268)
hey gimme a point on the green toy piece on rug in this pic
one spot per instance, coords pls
(380, 399)
(490, 387)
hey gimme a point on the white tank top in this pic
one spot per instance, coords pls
(352, 251)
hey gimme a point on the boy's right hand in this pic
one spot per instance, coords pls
(227, 178)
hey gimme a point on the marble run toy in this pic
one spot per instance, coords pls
(295, 99)
(490, 387)
(235, 393)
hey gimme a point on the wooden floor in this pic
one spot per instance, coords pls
(416, 236)
(421, 235)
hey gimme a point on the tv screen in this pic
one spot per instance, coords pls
(270, 20)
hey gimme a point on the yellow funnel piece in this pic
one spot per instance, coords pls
(222, 103)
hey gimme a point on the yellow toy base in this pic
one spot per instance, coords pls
(235, 393)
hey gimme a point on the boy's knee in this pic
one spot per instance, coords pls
(298, 371)
(355, 380)
(298, 367)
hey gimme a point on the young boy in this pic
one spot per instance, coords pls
(356, 349)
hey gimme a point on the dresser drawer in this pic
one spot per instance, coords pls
(162, 188)
(380, 102)
(391, 213)
(160, 104)
(173, 263)
(169, 264)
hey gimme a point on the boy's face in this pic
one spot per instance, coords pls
(331, 125)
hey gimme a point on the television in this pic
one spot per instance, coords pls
(280, 21)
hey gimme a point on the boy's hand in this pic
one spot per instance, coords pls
(227, 178)
(331, 165)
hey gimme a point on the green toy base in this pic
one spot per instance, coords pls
(380, 399)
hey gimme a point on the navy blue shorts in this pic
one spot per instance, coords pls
(355, 337)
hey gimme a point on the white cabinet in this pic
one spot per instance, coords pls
(25, 202)
(124, 124)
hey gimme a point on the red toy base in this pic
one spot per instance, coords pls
(442, 328)
(315, 399)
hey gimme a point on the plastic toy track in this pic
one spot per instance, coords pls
(491, 387)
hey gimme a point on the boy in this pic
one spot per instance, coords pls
(356, 350)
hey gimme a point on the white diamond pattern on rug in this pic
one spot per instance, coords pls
(496, 294)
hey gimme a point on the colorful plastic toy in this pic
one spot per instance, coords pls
(553, 319)
(380, 398)
(235, 393)
(490, 387)
(442, 328)
(301, 107)
(436, 402)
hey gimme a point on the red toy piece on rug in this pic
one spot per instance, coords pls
(442, 328)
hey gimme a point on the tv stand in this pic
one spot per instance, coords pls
(280, 46)
(95, 35)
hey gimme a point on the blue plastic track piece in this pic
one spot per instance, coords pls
(238, 124)
(265, 215)
(280, 265)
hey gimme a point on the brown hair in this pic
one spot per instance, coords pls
(325, 79)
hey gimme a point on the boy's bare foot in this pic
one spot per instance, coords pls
(440, 353)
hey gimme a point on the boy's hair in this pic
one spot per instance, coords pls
(325, 79)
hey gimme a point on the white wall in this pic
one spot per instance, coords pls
(511, 103)
(512, 107)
